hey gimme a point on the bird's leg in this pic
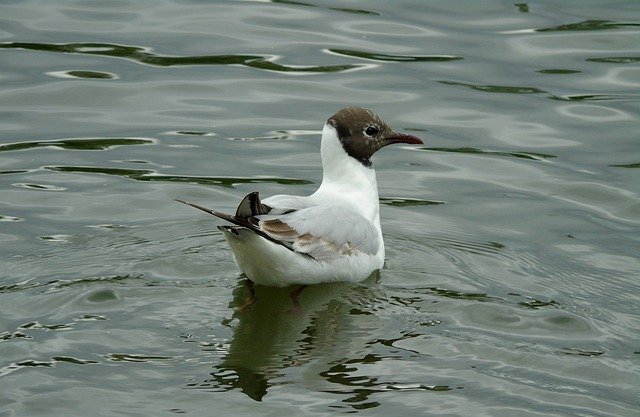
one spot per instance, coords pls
(295, 294)
(252, 295)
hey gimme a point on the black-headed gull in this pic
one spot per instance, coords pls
(332, 235)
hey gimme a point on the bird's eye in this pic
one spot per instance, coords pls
(371, 131)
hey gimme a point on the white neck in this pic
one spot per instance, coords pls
(346, 179)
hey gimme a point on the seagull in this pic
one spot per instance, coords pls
(332, 235)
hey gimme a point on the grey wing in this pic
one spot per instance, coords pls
(323, 232)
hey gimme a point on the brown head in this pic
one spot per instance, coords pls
(362, 133)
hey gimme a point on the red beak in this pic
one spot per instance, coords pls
(403, 138)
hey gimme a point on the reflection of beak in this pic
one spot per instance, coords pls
(402, 138)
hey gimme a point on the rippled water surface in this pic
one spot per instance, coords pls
(511, 285)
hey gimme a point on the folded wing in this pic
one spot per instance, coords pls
(322, 232)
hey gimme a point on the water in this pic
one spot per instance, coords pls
(511, 280)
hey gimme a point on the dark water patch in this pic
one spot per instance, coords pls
(33, 363)
(4, 336)
(534, 90)
(56, 284)
(458, 295)
(106, 295)
(14, 171)
(359, 388)
(406, 335)
(615, 60)
(145, 56)
(109, 279)
(275, 136)
(8, 288)
(190, 133)
(108, 226)
(402, 202)
(5, 218)
(535, 304)
(5, 370)
(268, 65)
(126, 357)
(476, 151)
(54, 238)
(22, 332)
(148, 175)
(450, 246)
(558, 71)
(522, 7)
(581, 352)
(374, 56)
(39, 187)
(83, 74)
(36, 325)
(75, 361)
(339, 9)
(134, 161)
(590, 97)
(496, 88)
(80, 144)
(278, 135)
(633, 165)
(253, 383)
(588, 25)
(91, 317)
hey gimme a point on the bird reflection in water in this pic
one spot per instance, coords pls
(273, 334)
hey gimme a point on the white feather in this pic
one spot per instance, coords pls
(338, 226)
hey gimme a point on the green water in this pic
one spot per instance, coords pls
(511, 284)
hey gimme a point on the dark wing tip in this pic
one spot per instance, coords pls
(251, 206)
(242, 221)
(212, 212)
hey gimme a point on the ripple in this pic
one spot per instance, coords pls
(375, 56)
(109, 226)
(129, 357)
(526, 323)
(31, 363)
(350, 377)
(38, 325)
(496, 88)
(589, 25)
(75, 361)
(581, 352)
(145, 56)
(591, 97)
(190, 133)
(55, 238)
(402, 202)
(458, 295)
(633, 165)
(40, 187)
(558, 71)
(616, 60)
(106, 295)
(593, 113)
(110, 279)
(78, 144)
(5, 218)
(475, 151)
(339, 9)
(95, 75)
(14, 171)
(148, 175)
(56, 284)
